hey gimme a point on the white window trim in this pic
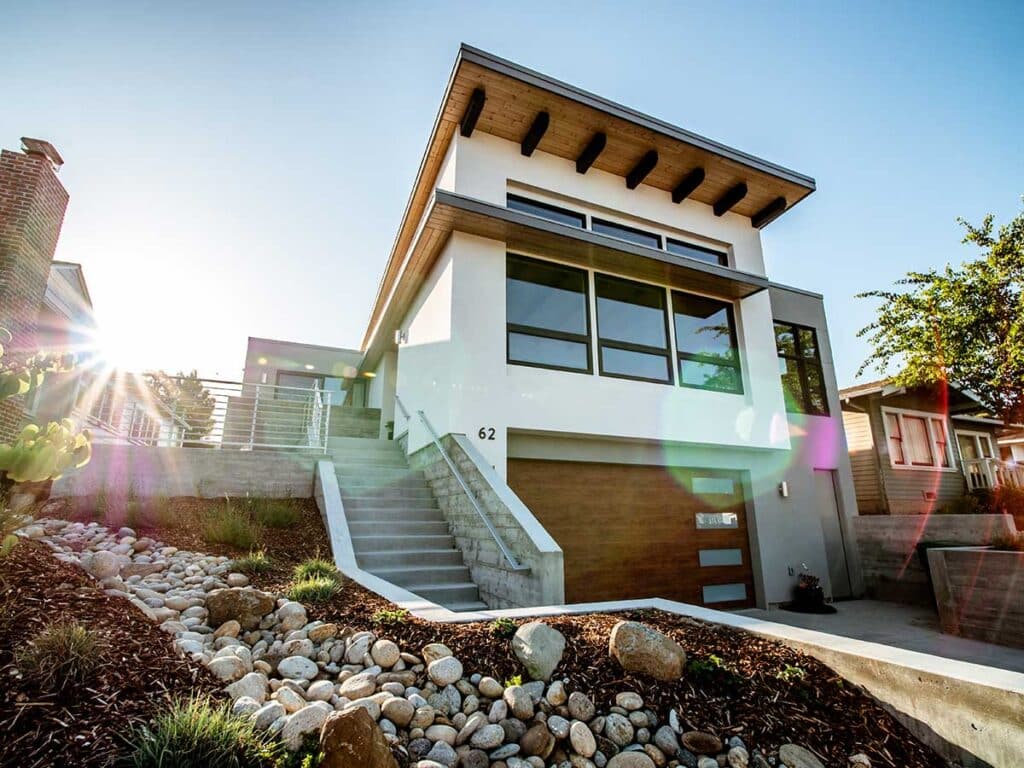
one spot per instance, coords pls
(978, 437)
(899, 413)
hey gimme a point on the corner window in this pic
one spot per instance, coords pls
(621, 231)
(916, 439)
(803, 381)
(547, 322)
(632, 330)
(706, 343)
(708, 255)
(546, 211)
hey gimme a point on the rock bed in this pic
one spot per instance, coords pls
(292, 675)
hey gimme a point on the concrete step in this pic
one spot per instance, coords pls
(423, 574)
(475, 605)
(383, 502)
(402, 543)
(361, 444)
(356, 463)
(398, 529)
(354, 485)
(394, 494)
(375, 472)
(371, 560)
(444, 594)
(395, 515)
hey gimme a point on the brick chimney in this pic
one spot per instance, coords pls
(32, 205)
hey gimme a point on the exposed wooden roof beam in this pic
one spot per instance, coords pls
(472, 113)
(769, 213)
(536, 133)
(590, 152)
(643, 167)
(688, 185)
(725, 203)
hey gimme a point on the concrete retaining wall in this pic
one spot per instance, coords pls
(979, 593)
(500, 587)
(206, 472)
(888, 549)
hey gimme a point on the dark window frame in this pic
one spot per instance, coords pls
(801, 360)
(707, 359)
(530, 330)
(544, 206)
(626, 228)
(626, 346)
(721, 256)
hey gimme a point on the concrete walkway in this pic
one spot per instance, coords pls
(900, 626)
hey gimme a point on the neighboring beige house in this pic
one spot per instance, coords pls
(915, 451)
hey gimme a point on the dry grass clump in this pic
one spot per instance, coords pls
(229, 525)
(62, 656)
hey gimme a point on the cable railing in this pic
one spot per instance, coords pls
(510, 558)
(185, 411)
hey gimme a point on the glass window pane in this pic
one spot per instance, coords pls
(546, 210)
(986, 446)
(709, 255)
(792, 389)
(968, 448)
(624, 362)
(543, 351)
(709, 376)
(702, 486)
(630, 312)
(724, 593)
(916, 442)
(785, 341)
(710, 558)
(715, 520)
(638, 236)
(895, 438)
(703, 326)
(816, 401)
(808, 343)
(546, 296)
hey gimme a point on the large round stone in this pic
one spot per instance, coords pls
(639, 648)
(445, 671)
(537, 741)
(582, 738)
(539, 648)
(351, 739)
(488, 737)
(102, 565)
(246, 606)
(297, 668)
(631, 760)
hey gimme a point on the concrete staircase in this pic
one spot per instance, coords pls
(398, 531)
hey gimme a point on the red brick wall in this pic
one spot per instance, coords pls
(32, 204)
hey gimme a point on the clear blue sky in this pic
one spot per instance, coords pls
(240, 168)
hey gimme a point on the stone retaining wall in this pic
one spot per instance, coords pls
(979, 592)
(204, 472)
(500, 587)
(888, 549)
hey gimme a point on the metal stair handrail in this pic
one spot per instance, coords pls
(514, 563)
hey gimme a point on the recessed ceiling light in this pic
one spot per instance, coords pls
(309, 367)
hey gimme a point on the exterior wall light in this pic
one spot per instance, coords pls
(784, 489)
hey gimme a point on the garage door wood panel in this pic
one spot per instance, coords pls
(629, 531)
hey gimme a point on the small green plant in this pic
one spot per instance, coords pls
(314, 568)
(62, 656)
(308, 755)
(229, 525)
(503, 627)
(197, 733)
(255, 562)
(386, 618)
(273, 513)
(712, 670)
(514, 680)
(789, 673)
(318, 589)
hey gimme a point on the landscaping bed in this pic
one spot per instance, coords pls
(735, 685)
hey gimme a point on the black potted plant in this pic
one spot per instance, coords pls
(808, 596)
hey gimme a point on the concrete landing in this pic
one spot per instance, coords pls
(909, 627)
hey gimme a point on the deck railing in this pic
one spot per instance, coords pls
(992, 473)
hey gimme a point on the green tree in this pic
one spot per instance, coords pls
(185, 396)
(962, 325)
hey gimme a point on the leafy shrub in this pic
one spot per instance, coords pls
(503, 627)
(315, 568)
(789, 673)
(62, 656)
(390, 617)
(514, 680)
(318, 589)
(255, 562)
(273, 513)
(229, 525)
(198, 733)
(712, 671)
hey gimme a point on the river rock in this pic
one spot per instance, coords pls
(539, 648)
(639, 648)
(246, 606)
(297, 668)
(538, 741)
(445, 671)
(795, 756)
(631, 760)
(582, 738)
(702, 743)
(351, 739)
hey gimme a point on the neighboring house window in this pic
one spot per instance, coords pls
(291, 383)
(547, 211)
(917, 439)
(621, 231)
(632, 330)
(680, 248)
(803, 381)
(974, 445)
(548, 323)
(706, 343)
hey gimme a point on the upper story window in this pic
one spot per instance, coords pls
(547, 211)
(706, 343)
(803, 382)
(621, 231)
(548, 322)
(916, 439)
(709, 255)
(632, 329)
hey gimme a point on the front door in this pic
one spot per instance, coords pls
(831, 526)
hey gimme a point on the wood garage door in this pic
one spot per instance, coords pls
(632, 531)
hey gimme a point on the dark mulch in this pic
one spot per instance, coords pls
(736, 684)
(138, 670)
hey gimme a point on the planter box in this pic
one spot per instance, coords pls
(980, 593)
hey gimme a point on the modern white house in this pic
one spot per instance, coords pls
(577, 291)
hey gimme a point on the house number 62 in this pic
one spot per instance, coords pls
(486, 433)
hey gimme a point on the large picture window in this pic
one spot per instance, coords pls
(706, 343)
(632, 330)
(548, 322)
(916, 439)
(803, 382)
